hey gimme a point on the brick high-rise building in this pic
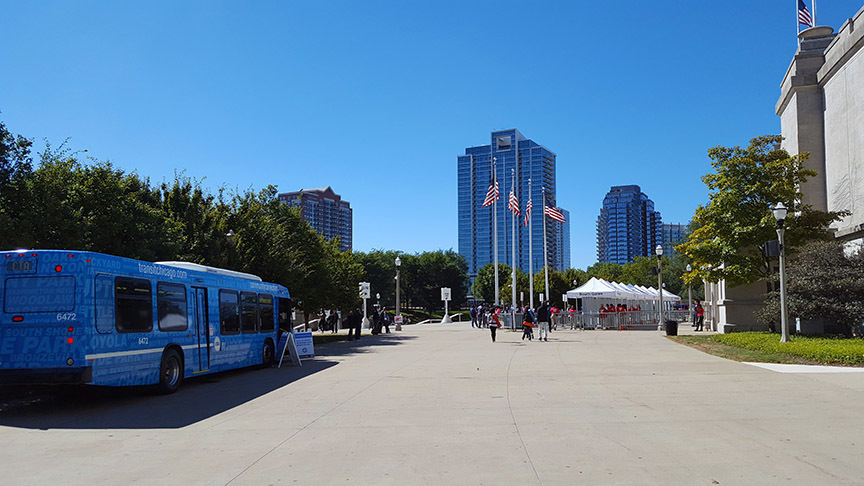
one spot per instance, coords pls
(325, 211)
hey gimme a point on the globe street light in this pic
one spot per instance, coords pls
(780, 215)
(659, 251)
(398, 311)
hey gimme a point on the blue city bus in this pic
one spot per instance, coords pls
(85, 317)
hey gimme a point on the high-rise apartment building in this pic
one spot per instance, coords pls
(628, 226)
(525, 159)
(673, 235)
(325, 211)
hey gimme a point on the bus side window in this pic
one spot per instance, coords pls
(249, 317)
(133, 304)
(229, 312)
(171, 306)
(265, 309)
(103, 295)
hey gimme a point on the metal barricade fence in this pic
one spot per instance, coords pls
(641, 319)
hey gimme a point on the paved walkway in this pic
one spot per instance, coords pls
(441, 404)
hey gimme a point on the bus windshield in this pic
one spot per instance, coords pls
(39, 294)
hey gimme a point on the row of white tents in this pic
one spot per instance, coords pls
(599, 291)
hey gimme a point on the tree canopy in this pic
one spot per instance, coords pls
(729, 233)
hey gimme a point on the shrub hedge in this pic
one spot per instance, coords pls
(826, 350)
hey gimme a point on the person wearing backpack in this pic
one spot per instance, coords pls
(528, 324)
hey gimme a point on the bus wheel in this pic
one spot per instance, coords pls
(170, 372)
(267, 355)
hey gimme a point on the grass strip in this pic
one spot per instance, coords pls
(767, 348)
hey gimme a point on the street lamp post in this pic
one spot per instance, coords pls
(690, 295)
(780, 215)
(659, 251)
(398, 311)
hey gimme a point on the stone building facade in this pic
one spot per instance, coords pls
(821, 110)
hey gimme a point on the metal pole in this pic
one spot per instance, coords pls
(513, 270)
(660, 290)
(530, 254)
(784, 324)
(545, 256)
(495, 224)
(398, 308)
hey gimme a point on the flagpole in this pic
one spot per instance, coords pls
(813, 6)
(495, 223)
(513, 270)
(530, 254)
(545, 256)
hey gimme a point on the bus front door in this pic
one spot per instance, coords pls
(203, 328)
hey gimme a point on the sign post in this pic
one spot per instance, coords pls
(365, 293)
(445, 296)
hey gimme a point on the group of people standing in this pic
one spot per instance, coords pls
(540, 317)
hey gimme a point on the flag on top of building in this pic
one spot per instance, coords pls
(804, 17)
(513, 205)
(555, 214)
(491, 195)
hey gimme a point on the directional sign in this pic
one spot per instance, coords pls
(445, 293)
(365, 290)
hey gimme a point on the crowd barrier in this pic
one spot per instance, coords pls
(618, 320)
(600, 320)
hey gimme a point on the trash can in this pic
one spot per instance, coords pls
(671, 328)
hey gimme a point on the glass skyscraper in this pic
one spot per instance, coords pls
(628, 226)
(673, 235)
(514, 154)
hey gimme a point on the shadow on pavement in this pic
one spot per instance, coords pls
(93, 407)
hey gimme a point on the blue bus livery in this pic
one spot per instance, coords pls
(84, 317)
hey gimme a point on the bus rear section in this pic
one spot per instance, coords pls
(42, 318)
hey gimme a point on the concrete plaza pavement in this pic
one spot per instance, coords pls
(441, 404)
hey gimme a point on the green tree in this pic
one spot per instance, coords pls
(15, 167)
(576, 277)
(425, 274)
(606, 271)
(822, 282)
(484, 284)
(379, 269)
(729, 233)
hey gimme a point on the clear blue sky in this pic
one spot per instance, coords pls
(377, 98)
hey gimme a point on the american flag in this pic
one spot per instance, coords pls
(555, 214)
(514, 203)
(804, 17)
(492, 195)
(528, 208)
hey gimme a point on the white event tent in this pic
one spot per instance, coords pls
(597, 292)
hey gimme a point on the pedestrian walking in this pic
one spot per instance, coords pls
(700, 316)
(376, 321)
(494, 323)
(542, 315)
(385, 320)
(333, 322)
(473, 316)
(353, 322)
(528, 323)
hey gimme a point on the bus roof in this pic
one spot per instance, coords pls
(205, 268)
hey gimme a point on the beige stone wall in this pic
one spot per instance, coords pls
(842, 81)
